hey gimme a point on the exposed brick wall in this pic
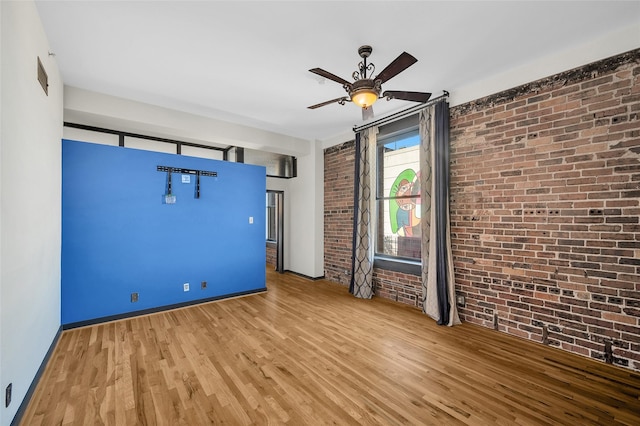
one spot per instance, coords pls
(338, 211)
(545, 207)
(271, 254)
(404, 288)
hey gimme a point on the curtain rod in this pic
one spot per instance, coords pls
(400, 114)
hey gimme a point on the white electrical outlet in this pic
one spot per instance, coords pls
(250, 219)
(185, 286)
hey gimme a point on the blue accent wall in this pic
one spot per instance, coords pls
(118, 236)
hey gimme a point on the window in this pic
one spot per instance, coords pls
(398, 235)
(271, 217)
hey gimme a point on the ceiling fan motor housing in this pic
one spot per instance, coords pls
(366, 83)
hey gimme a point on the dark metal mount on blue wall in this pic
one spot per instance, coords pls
(198, 173)
(187, 171)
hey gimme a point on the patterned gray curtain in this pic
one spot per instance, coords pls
(438, 285)
(362, 257)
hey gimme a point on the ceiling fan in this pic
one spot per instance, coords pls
(364, 91)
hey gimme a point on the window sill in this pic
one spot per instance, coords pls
(398, 265)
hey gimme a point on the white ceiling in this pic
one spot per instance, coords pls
(248, 62)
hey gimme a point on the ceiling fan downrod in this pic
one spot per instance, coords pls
(363, 67)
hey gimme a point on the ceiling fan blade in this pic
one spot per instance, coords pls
(327, 74)
(341, 100)
(367, 113)
(407, 96)
(399, 64)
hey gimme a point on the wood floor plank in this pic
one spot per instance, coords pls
(306, 352)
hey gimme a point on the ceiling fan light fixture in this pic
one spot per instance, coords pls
(364, 97)
(364, 93)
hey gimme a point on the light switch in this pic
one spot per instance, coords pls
(251, 219)
(186, 179)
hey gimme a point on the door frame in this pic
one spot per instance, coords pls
(279, 196)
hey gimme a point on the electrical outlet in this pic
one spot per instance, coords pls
(134, 297)
(185, 286)
(7, 395)
(203, 285)
(250, 219)
(460, 300)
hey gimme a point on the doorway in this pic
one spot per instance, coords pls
(275, 226)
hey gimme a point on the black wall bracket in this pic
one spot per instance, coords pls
(187, 171)
(182, 171)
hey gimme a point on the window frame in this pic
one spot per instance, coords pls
(407, 127)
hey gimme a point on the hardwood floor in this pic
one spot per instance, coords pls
(307, 352)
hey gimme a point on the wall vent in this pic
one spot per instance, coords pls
(277, 165)
(42, 77)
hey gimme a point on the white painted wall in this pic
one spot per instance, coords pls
(193, 151)
(30, 193)
(318, 209)
(307, 216)
(304, 214)
(1, 81)
(89, 136)
(148, 145)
